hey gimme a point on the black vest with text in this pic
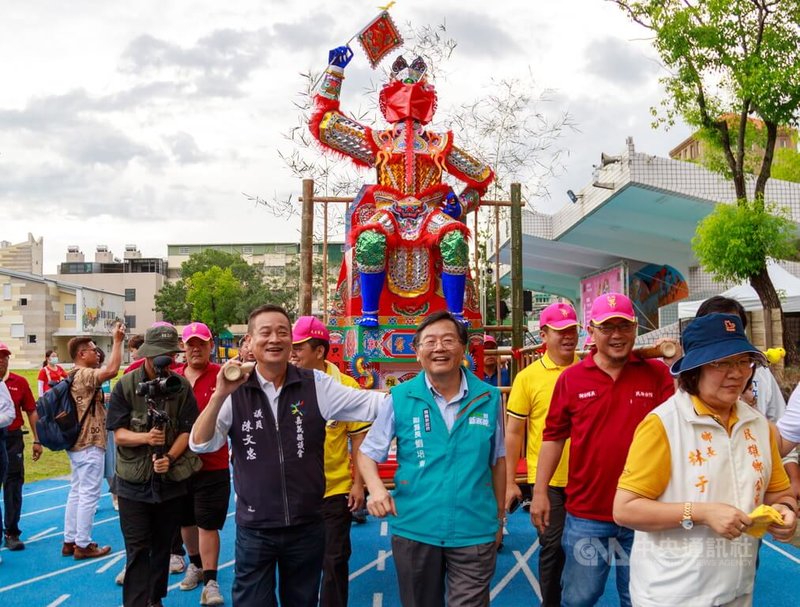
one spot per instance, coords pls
(278, 466)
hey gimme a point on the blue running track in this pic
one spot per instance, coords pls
(40, 577)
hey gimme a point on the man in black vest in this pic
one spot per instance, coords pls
(276, 420)
(153, 464)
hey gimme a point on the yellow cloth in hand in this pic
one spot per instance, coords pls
(763, 517)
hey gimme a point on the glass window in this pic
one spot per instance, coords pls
(7, 291)
(69, 311)
(130, 321)
(31, 339)
(183, 250)
(130, 294)
(17, 330)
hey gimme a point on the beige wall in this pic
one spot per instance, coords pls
(37, 319)
(146, 285)
(24, 256)
(31, 327)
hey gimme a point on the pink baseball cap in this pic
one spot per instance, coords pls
(309, 327)
(196, 329)
(489, 338)
(558, 316)
(612, 305)
(5, 348)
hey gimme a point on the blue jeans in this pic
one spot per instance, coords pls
(297, 554)
(590, 547)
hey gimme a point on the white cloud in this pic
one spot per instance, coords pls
(145, 122)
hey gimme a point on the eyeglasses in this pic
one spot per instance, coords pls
(429, 343)
(726, 366)
(623, 327)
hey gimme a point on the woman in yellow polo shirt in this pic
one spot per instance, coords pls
(698, 467)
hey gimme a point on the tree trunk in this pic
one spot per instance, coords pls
(762, 284)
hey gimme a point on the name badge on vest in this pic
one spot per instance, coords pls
(426, 418)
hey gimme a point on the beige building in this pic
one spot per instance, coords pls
(273, 257)
(24, 256)
(37, 313)
(137, 278)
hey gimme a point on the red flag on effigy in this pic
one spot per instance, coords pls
(379, 38)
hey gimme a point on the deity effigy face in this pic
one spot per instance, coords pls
(402, 100)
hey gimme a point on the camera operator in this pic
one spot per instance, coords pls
(151, 413)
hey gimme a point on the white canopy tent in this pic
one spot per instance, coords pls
(787, 285)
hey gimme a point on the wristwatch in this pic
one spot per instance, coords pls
(687, 522)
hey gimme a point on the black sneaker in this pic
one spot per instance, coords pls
(13, 543)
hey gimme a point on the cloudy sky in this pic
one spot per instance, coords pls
(146, 122)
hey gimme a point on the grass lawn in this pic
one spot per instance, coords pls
(52, 463)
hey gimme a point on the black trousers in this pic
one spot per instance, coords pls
(551, 555)
(335, 565)
(148, 530)
(294, 552)
(15, 478)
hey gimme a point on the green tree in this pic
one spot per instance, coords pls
(171, 302)
(214, 295)
(732, 241)
(176, 302)
(730, 61)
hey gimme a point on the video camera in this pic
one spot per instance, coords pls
(164, 384)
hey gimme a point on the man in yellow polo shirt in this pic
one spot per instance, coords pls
(528, 405)
(343, 493)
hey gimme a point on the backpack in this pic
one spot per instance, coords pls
(58, 426)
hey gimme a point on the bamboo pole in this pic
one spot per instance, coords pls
(325, 263)
(516, 272)
(306, 247)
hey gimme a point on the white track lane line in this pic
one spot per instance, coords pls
(513, 571)
(40, 491)
(791, 557)
(59, 600)
(369, 566)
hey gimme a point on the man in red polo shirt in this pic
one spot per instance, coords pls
(209, 489)
(597, 404)
(15, 477)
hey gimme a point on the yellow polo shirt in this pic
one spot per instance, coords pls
(647, 469)
(530, 400)
(337, 454)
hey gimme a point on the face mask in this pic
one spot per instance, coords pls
(53, 360)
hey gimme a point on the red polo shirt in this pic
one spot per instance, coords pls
(600, 415)
(203, 390)
(22, 396)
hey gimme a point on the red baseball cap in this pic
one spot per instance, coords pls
(5, 348)
(309, 327)
(612, 305)
(558, 316)
(196, 329)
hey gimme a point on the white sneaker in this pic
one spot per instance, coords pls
(176, 563)
(194, 575)
(211, 594)
(120, 579)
